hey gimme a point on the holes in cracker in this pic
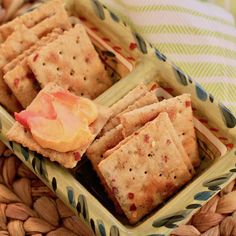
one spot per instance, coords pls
(58, 69)
(43, 64)
(77, 40)
(60, 52)
(74, 57)
(85, 78)
(145, 172)
(72, 72)
(130, 169)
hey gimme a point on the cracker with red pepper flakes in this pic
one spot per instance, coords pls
(20, 134)
(129, 99)
(147, 99)
(71, 61)
(180, 112)
(18, 76)
(50, 10)
(145, 170)
(23, 32)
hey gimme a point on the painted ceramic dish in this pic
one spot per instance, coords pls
(127, 56)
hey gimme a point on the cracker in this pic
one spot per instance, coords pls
(69, 159)
(16, 43)
(180, 112)
(104, 143)
(146, 99)
(7, 99)
(144, 171)
(128, 99)
(59, 20)
(72, 62)
(20, 78)
(169, 126)
(43, 41)
(32, 18)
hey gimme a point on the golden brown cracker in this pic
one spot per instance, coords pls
(180, 112)
(144, 171)
(72, 62)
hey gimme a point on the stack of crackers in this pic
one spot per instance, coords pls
(146, 151)
(42, 46)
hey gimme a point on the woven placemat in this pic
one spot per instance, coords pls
(28, 207)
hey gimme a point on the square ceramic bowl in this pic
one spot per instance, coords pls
(130, 60)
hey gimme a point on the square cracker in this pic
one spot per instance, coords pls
(15, 44)
(69, 159)
(147, 99)
(145, 170)
(33, 18)
(72, 62)
(180, 112)
(20, 78)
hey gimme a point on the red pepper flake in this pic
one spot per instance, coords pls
(114, 190)
(82, 18)
(77, 156)
(168, 142)
(146, 138)
(117, 48)
(132, 46)
(35, 57)
(223, 138)
(94, 29)
(214, 129)
(106, 39)
(133, 207)
(230, 145)
(153, 87)
(194, 109)
(169, 90)
(130, 195)
(187, 103)
(204, 121)
(130, 58)
(165, 158)
(16, 82)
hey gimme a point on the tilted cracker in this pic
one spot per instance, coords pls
(169, 126)
(69, 159)
(147, 99)
(72, 62)
(128, 99)
(20, 78)
(95, 155)
(15, 44)
(7, 99)
(180, 112)
(145, 171)
(32, 18)
(59, 20)
(43, 41)
(104, 143)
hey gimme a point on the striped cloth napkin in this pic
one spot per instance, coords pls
(198, 36)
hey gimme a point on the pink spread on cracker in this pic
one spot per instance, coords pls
(59, 120)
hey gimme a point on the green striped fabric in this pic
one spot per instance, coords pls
(198, 36)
